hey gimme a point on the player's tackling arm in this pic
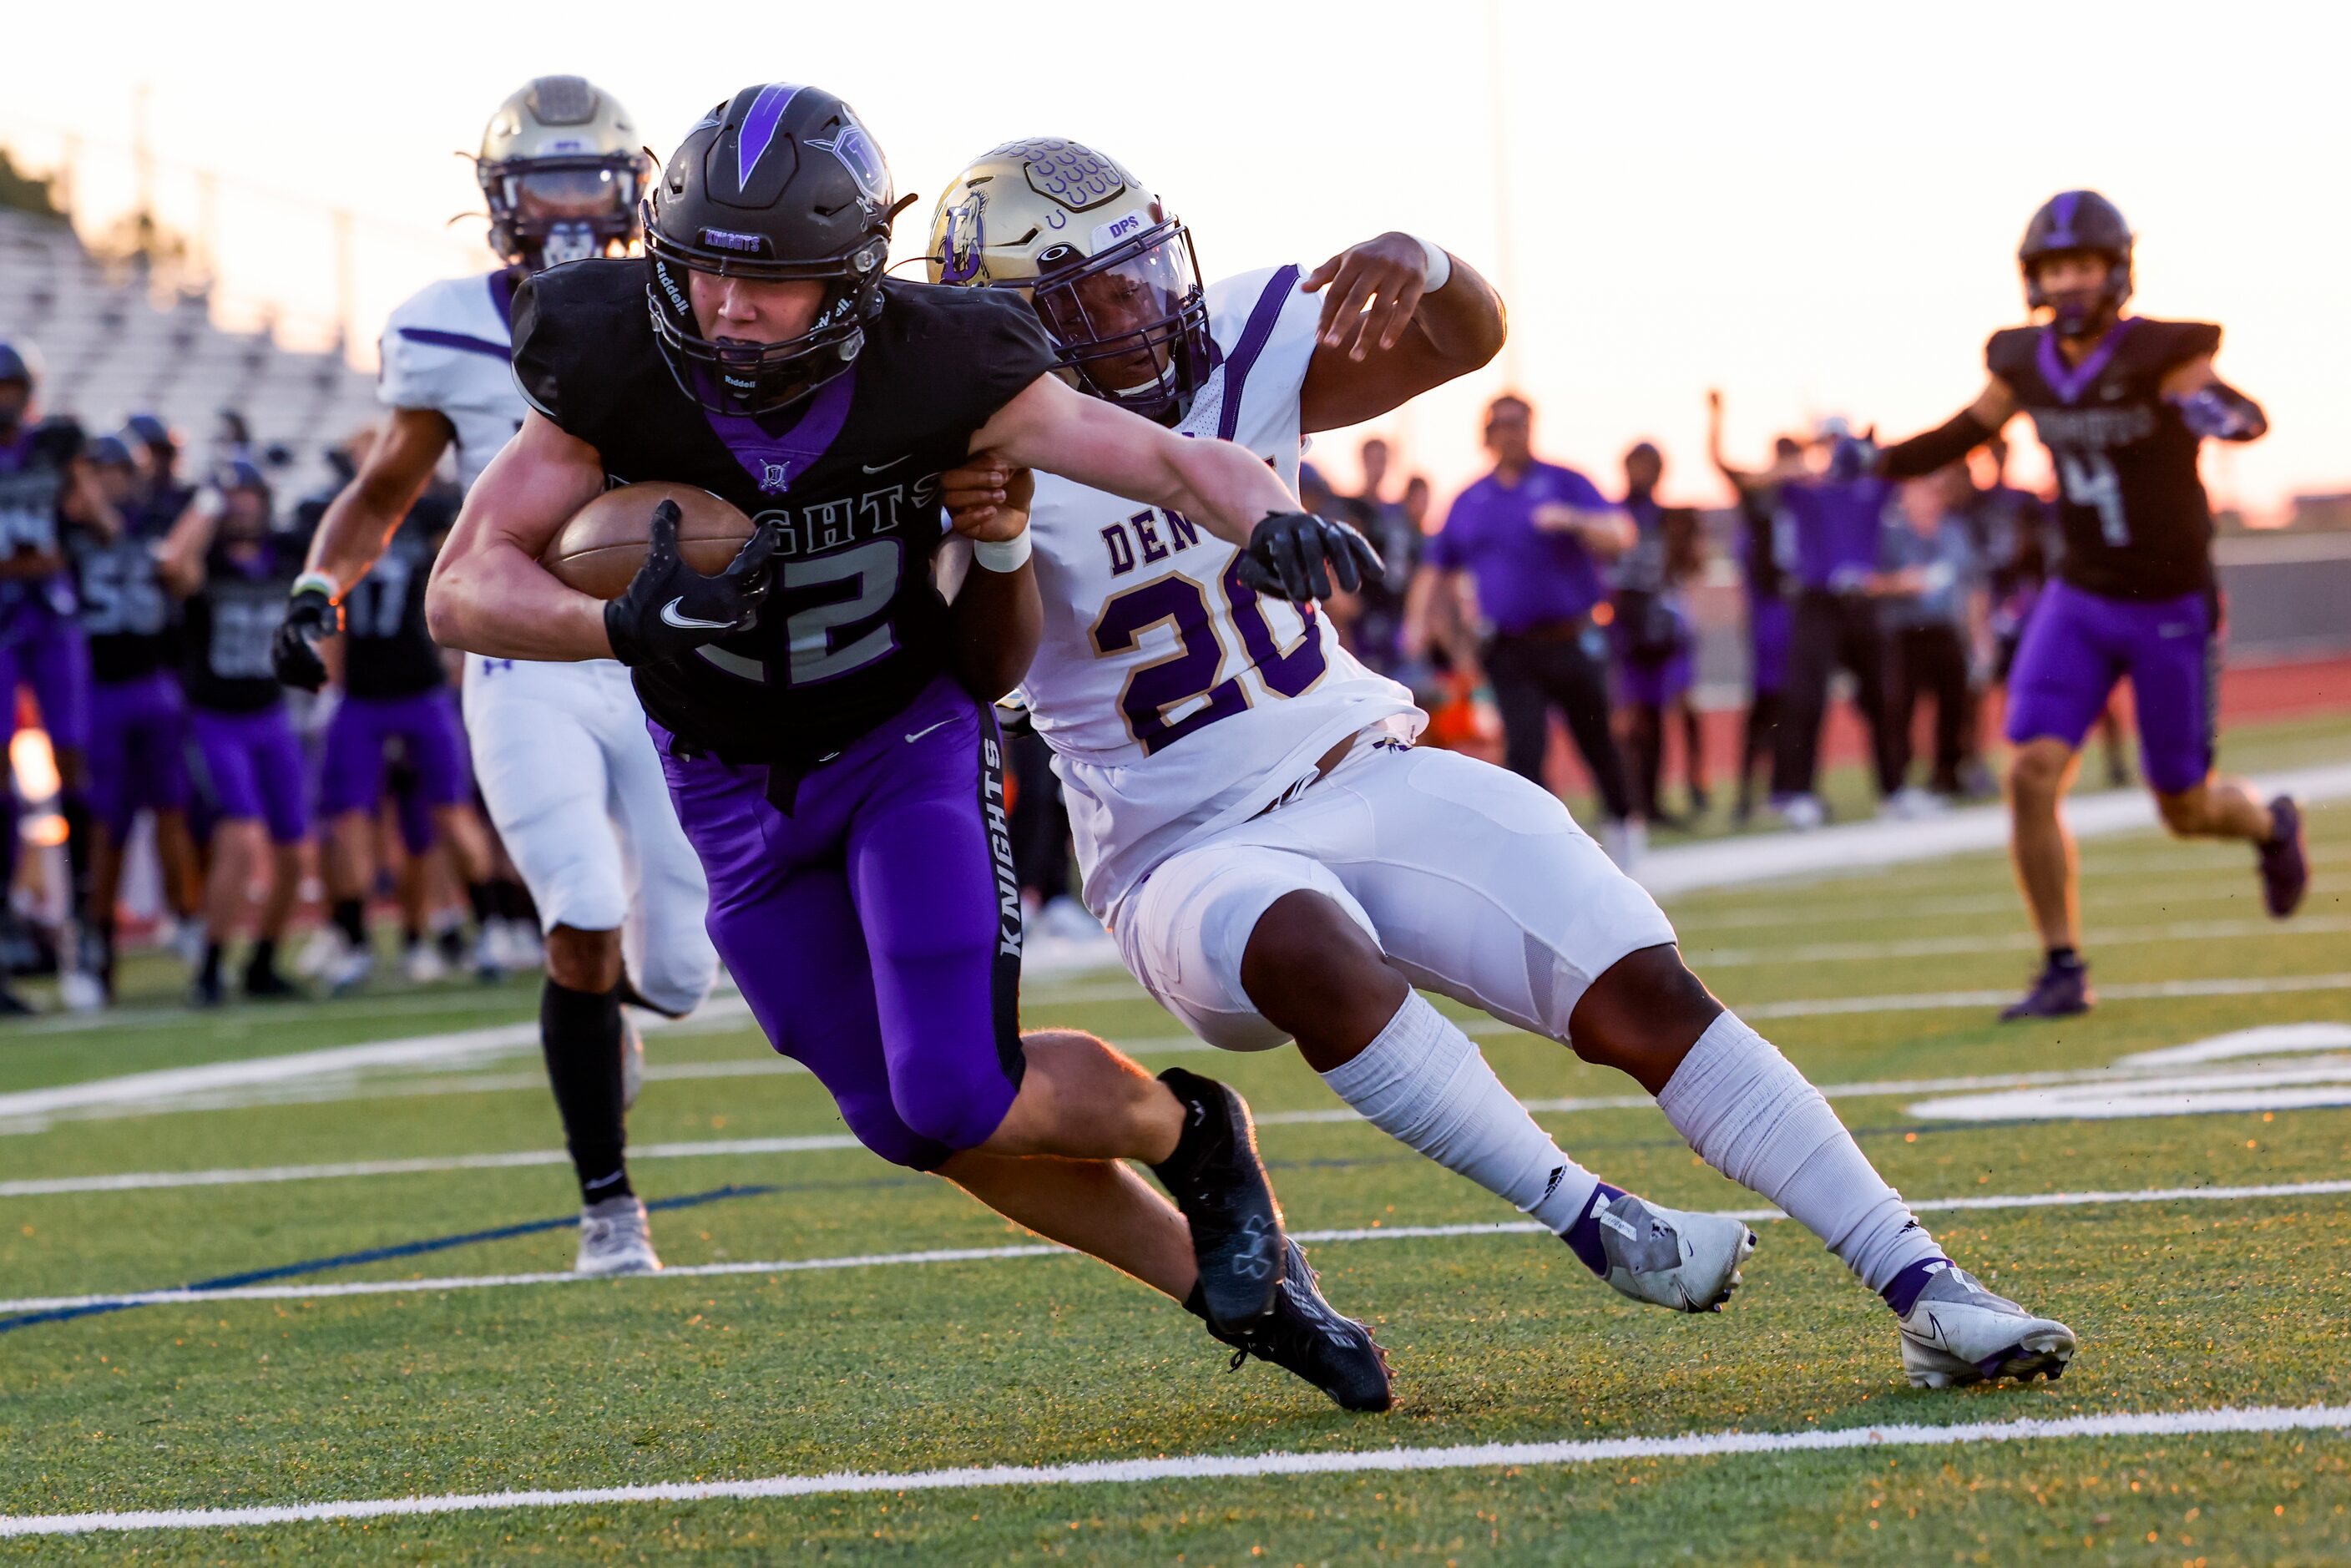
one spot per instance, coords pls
(1955, 438)
(1224, 487)
(1387, 336)
(489, 593)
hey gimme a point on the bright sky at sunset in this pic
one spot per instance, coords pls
(1814, 208)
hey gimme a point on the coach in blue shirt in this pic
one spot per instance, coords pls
(1829, 526)
(1532, 536)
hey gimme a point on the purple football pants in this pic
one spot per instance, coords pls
(49, 652)
(2079, 643)
(138, 749)
(873, 919)
(350, 776)
(252, 769)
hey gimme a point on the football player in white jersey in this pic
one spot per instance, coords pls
(1275, 858)
(561, 751)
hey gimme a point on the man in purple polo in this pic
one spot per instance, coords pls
(2124, 404)
(1532, 536)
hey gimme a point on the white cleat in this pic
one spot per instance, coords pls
(1669, 1258)
(633, 1061)
(350, 972)
(423, 963)
(613, 1238)
(81, 991)
(1956, 1332)
(326, 951)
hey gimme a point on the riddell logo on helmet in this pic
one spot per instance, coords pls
(727, 239)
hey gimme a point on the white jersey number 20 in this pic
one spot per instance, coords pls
(1171, 697)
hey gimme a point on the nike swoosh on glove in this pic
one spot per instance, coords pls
(1296, 556)
(669, 609)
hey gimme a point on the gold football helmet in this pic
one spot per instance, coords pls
(1109, 270)
(562, 170)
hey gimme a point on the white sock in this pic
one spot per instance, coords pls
(1746, 1109)
(1423, 1083)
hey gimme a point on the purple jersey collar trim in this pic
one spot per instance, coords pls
(2070, 382)
(1251, 343)
(502, 290)
(776, 463)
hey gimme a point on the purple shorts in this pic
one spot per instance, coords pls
(1658, 684)
(252, 769)
(1767, 623)
(875, 925)
(49, 652)
(350, 779)
(2078, 645)
(138, 749)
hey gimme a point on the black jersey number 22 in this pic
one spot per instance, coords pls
(850, 587)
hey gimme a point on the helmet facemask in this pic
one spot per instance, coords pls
(741, 379)
(546, 210)
(2079, 313)
(1131, 323)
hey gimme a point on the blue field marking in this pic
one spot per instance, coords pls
(374, 1255)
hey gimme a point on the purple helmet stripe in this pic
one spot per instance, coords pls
(2062, 235)
(766, 113)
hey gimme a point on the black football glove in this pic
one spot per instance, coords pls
(669, 609)
(294, 650)
(1295, 556)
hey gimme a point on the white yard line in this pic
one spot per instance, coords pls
(2223, 1421)
(324, 1290)
(1707, 959)
(1861, 847)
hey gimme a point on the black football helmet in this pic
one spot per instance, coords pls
(780, 183)
(2078, 221)
(20, 367)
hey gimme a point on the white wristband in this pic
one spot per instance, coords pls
(319, 580)
(1435, 266)
(1002, 555)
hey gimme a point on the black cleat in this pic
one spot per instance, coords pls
(2284, 862)
(1307, 1336)
(1217, 1179)
(2059, 991)
(263, 983)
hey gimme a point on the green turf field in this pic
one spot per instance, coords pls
(480, 1384)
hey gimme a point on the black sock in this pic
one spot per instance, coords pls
(2064, 958)
(210, 971)
(411, 937)
(263, 959)
(351, 919)
(580, 1034)
(1193, 1144)
(484, 897)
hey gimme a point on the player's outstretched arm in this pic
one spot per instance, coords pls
(1954, 438)
(489, 593)
(1223, 487)
(1399, 317)
(360, 522)
(2211, 406)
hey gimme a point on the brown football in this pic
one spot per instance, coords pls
(599, 549)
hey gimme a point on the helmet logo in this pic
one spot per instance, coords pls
(727, 239)
(857, 153)
(960, 263)
(759, 132)
(1118, 229)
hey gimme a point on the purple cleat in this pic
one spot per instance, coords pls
(2284, 865)
(2060, 991)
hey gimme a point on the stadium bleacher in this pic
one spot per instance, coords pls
(114, 345)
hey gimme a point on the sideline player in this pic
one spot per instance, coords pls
(230, 571)
(2124, 404)
(139, 720)
(44, 481)
(815, 705)
(1277, 859)
(572, 782)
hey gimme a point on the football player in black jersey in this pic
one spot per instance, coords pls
(823, 704)
(2123, 403)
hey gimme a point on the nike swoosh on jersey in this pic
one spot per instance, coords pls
(689, 623)
(920, 733)
(877, 467)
